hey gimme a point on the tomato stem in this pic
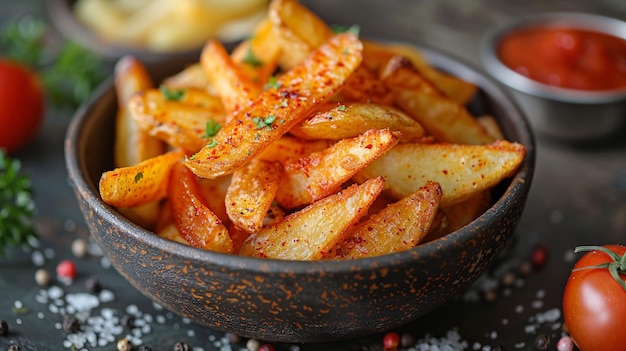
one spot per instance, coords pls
(615, 268)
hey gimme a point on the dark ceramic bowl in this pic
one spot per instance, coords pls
(297, 301)
(567, 115)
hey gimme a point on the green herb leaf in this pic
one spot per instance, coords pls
(251, 59)
(272, 83)
(172, 94)
(354, 29)
(17, 206)
(22, 40)
(262, 122)
(211, 128)
(212, 144)
(138, 177)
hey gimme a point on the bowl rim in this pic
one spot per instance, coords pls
(519, 186)
(509, 77)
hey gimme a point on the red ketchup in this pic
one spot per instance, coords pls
(566, 57)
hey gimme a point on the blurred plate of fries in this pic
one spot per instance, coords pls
(156, 30)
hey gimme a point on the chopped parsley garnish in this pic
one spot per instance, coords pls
(138, 177)
(211, 128)
(172, 94)
(342, 108)
(354, 29)
(17, 206)
(212, 144)
(272, 83)
(251, 59)
(262, 122)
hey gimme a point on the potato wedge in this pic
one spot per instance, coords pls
(311, 232)
(132, 145)
(457, 89)
(290, 148)
(300, 31)
(214, 194)
(138, 184)
(193, 219)
(170, 232)
(276, 110)
(321, 173)
(462, 170)
(236, 90)
(258, 56)
(441, 116)
(274, 214)
(491, 127)
(347, 120)
(400, 226)
(251, 193)
(180, 123)
(192, 76)
(460, 214)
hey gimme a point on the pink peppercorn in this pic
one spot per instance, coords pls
(565, 344)
(266, 347)
(66, 269)
(391, 341)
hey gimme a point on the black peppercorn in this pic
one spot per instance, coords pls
(70, 323)
(182, 346)
(93, 285)
(498, 348)
(542, 342)
(233, 338)
(407, 340)
(144, 348)
(128, 321)
(4, 328)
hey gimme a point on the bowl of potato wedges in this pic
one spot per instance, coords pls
(301, 187)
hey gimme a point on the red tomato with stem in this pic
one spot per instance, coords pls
(594, 300)
(21, 105)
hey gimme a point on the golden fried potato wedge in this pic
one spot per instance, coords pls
(290, 148)
(193, 219)
(491, 127)
(300, 31)
(214, 194)
(132, 145)
(311, 232)
(192, 76)
(462, 170)
(275, 214)
(171, 233)
(180, 123)
(376, 54)
(139, 184)
(460, 214)
(321, 173)
(365, 86)
(346, 120)
(441, 116)
(258, 56)
(400, 226)
(277, 109)
(236, 90)
(251, 193)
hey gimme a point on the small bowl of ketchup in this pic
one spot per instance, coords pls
(567, 71)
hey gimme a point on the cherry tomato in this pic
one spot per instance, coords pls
(21, 105)
(594, 302)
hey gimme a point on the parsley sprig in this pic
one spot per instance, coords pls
(69, 74)
(17, 206)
